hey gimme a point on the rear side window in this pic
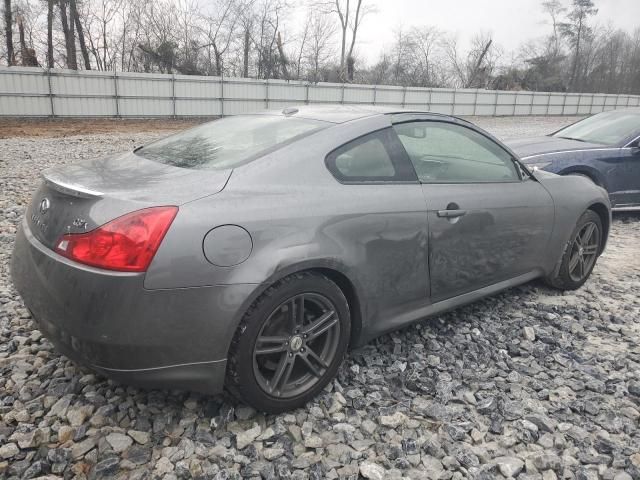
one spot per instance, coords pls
(229, 142)
(376, 157)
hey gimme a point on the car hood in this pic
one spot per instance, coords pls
(131, 177)
(526, 147)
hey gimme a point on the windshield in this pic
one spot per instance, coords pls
(608, 128)
(228, 142)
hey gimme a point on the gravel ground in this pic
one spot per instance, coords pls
(532, 383)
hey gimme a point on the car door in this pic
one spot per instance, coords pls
(383, 222)
(488, 220)
(630, 195)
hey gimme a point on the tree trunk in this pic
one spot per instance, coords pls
(344, 24)
(576, 58)
(72, 58)
(218, 59)
(478, 64)
(351, 63)
(69, 40)
(23, 45)
(104, 44)
(83, 45)
(8, 23)
(283, 58)
(245, 66)
(50, 33)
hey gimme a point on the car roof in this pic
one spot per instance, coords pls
(341, 113)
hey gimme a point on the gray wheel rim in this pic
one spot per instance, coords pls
(296, 345)
(584, 251)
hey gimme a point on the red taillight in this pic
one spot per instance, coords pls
(127, 243)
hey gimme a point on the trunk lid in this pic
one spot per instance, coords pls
(80, 197)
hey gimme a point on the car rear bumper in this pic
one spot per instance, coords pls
(167, 338)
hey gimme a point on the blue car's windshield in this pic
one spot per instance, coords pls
(607, 128)
(229, 142)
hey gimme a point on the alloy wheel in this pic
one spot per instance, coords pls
(584, 251)
(296, 345)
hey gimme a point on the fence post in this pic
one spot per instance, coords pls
(173, 93)
(53, 112)
(375, 94)
(266, 93)
(404, 95)
(564, 102)
(429, 100)
(115, 91)
(548, 104)
(475, 101)
(342, 98)
(495, 105)
(453, 103)
(222, 95)
(515, 104)
(306, 99)
(533, 96)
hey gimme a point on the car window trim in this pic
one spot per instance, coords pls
(629, 144)
(405, 172)
(514, 160)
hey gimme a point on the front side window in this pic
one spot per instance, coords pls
(448, 153)
(229, 142)
(375, 157)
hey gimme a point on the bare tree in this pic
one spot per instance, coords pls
(473, 70)
(576, 30)
(301, 47)
(267, 25)
(220, 30)
(350, 16)
(554, 9)
(319, 48)
(427, 41)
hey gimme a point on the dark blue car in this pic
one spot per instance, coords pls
(604, 147)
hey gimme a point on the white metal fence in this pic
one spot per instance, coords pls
(36, 92)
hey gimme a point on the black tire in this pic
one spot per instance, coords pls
(249, 367)
(572, 275)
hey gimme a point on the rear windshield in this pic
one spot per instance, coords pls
(609, 128)
(229, 142)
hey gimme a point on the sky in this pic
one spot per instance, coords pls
(512, 22)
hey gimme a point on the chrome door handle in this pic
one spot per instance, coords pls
(451, 213)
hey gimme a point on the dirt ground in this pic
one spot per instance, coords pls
(11, 128)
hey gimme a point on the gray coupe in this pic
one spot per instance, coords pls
(254, 250)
